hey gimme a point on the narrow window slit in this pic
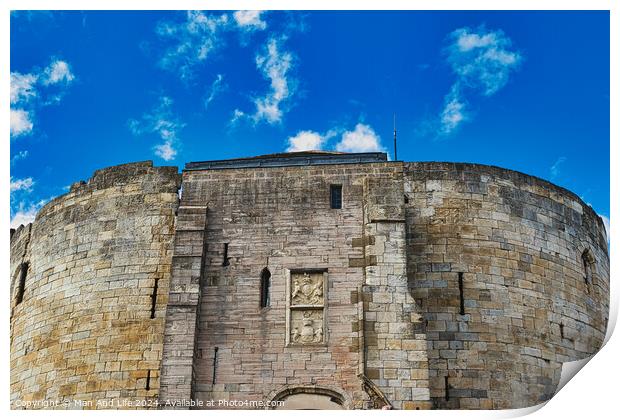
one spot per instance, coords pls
(335, 196)
(21, 286)
(447, 388)
(265, 286)
(148, 380)
(461, 293)
(225, 262)
(214, 364)
(588, 261)
(154, 298)
(561, 330)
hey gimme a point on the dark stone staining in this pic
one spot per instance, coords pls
(441, 267)
(363, 241)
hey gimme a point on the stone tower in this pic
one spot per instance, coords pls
(309, 279)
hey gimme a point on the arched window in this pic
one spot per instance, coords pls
(588, 262)
(21, 286)
(265, 285)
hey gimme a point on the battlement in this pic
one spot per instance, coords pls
(124, 173)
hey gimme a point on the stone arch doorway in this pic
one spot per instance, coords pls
(309, 398)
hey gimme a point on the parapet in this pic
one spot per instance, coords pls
(161, 178)
(475, 173)
(309, 158)
(120, 174)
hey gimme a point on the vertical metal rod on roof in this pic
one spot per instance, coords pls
(395, 153)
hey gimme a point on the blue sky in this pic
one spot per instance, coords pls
(523, 90)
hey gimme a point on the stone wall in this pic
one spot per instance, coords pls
(177, 377)
(436, 285)
(86, 328)
(509, 247)
(396, 348)
(280, 219)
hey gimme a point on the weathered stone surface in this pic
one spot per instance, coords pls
(280, 219)
(436, 285)
(518, 242)
(86, 329)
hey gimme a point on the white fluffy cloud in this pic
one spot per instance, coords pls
(466, 41)
(453, 113)
(250, 20)
(21, 122)
(26, 213)
(236, 116)
(305, 140)
(165, 150)
(200, 35)
(57, 72)
(275, 64)
(359, 140)
(24, 184)
(31, 91)
(164, 124)
(22, 87)
(192, 41)
(23, 217)
(482, 62)
(362, 139)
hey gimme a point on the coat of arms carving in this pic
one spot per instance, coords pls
(306, 308)
(307, 289)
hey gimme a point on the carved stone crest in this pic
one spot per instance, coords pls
(307, 326)
(307, 289)
(306, 308)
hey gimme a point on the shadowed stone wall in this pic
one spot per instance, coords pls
(396, 355)
(516, 242)
(85, 328)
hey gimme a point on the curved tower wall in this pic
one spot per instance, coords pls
(518, 242)
(85, 328)
(510, 276)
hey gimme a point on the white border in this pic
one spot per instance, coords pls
(592, 395)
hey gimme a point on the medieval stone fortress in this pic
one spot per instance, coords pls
(310, 279)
